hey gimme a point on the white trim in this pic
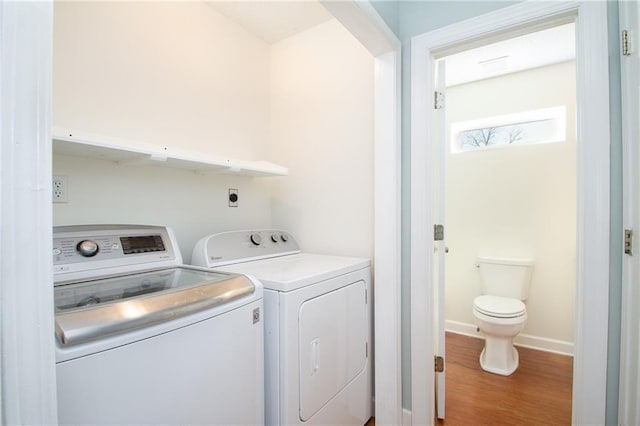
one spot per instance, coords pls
(365, 24)
(544, 344)
(422, 296)
(592, 289)
(538, 343)
(629, 391)
(387, 261)
(513, 19)
(591, 330)
(361, 19)
(26, 268)
(406, 417)
(463, 328)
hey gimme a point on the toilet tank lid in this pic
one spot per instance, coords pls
(506, 261)
(496, 306)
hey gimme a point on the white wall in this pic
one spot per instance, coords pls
(180, 75)
(517, 201)
(176, 74)
(322, 129)
(193, 205)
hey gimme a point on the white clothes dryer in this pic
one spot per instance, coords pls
(318, 325)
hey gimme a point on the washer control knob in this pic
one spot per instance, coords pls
(87, 248)
(274, 238)
(284, 238)
(256, 239)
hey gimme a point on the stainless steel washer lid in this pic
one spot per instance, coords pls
(499, 307)
(87, 310)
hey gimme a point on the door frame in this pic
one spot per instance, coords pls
(629, 391)
(28, 382)
(592, 286)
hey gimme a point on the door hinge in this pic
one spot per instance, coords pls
(628, 242)
(439, 364)
(626, 43)
(438, 100)
(438, 232)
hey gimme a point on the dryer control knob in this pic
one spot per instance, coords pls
(87, 248)
(284, 238)
(274, 238)
(256, 239)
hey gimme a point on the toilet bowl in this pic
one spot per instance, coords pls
(500, 319)
(500, 312)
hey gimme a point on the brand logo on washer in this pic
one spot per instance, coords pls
(215, 257)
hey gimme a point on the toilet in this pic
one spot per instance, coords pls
(500, 311)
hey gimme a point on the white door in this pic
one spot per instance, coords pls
(629, 409)
(439, 248)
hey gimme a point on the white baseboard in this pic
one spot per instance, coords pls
(462, 328)
(406, 417)
(524, 340)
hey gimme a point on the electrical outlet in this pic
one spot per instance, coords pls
(60, 189)
(233, 197)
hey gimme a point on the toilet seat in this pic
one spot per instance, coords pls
(499, 307)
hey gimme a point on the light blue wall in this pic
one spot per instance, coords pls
(417, 17)
(410, 18)
(388, 9)
(616, 252)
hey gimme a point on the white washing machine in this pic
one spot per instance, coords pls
(143, 339)
(318, 325)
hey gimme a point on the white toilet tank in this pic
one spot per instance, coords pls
(505, 277)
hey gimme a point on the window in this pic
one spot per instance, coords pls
(530, 127)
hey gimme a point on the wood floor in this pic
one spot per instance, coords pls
(538, 393)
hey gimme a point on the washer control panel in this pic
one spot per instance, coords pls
(237, 246)
(93, 247)
(78, 249)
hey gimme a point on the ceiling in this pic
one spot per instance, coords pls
(546, 47)
(270, 20)
(275, 20)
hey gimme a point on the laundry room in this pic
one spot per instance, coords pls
(281, 115)
(175, 121)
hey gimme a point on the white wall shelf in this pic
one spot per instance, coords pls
(124, 152)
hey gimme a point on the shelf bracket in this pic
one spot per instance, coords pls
(143, 159)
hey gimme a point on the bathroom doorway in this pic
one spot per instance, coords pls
(590, 400)
(507, 157)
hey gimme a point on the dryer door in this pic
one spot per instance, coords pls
(333, 345)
